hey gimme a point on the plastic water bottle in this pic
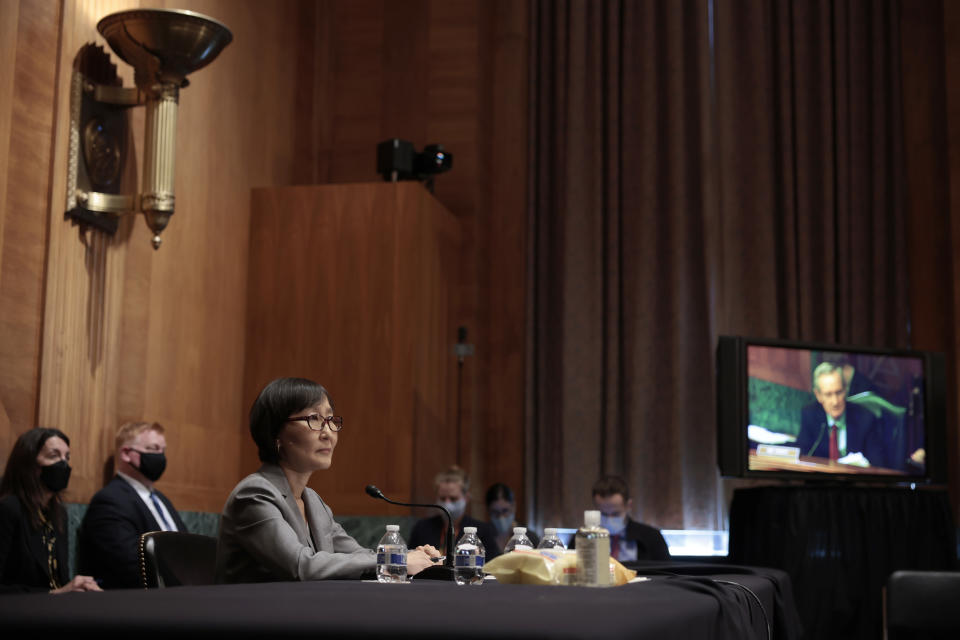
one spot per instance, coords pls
(392, 556)
(551, 540)
(468, 560)
(593, 552)
(518, 541)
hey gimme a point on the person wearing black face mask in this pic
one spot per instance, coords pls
(128, 506)
(33, 537)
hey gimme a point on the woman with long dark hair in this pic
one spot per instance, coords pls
(33, 535)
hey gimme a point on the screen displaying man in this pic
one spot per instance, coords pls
(835, 429)
(108, 544)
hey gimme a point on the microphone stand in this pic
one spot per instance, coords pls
(437, 571)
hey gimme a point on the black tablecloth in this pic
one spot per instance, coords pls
(667, 606)
(839, 544)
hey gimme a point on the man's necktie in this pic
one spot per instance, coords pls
(615, 545)
(156, 503)
(834, 447)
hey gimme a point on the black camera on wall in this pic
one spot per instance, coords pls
(398, 160)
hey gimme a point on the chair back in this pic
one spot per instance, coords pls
(892, 418)
(175, 558)
(922, 601)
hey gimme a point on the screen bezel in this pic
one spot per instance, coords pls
(733, 412)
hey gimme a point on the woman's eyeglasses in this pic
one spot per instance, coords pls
(316, 422)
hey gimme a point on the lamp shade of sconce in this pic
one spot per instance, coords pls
(163, 46)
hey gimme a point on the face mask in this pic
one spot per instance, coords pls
(55, 477)
(456, 508)
(613, 524)
(152, 465)
(503, 523)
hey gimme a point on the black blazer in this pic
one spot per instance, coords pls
(109, 536)
(650, 542)
(864, 433)
(23, 557)
(430, 530)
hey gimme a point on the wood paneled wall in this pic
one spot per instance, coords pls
(95, 331)
(351, 286)
(28, 70)
(452, 72)
(129, 333)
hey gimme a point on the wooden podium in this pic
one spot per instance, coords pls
(353, 286)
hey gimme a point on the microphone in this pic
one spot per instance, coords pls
(435, 572)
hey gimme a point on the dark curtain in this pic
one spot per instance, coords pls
(811, 176)
(620, 374)
(699, 167)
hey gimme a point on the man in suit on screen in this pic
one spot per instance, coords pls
(832, 428)
(109, 536)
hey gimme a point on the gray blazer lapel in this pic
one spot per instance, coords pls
(291, 512)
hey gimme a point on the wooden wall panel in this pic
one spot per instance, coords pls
(350, 286)
(452, 73)
(28, 66)
(303, 94)
(131, 333)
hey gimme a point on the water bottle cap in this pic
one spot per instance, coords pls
(550, 531)
(469, 529)
(591, 518)
(519, 530)
(393, 527)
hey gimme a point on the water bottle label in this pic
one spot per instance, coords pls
(467, 562)
(384, 557)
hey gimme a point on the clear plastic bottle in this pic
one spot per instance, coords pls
(518, 540)
(593, 552)
(469, 556)
(551, 540)
(392, 556)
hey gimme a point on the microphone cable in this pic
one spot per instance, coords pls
(766, 619)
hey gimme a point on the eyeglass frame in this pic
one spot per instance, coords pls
(329, 422)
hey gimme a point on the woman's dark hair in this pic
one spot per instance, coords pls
(499, 491)
(278, 400)
(21, 478)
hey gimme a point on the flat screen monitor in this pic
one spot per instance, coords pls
(828, 411)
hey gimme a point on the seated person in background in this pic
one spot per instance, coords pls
(630, 541)
(502, 512)
(273, 527)
(453, 493)
(33, 535)
(109, 537)
(833, 428)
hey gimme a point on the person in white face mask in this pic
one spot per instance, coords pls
(630, 541)
(453, 493)
(502, 512)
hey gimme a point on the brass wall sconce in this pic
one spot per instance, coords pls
(163, 46)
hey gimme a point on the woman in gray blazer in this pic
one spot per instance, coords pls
(273, 527)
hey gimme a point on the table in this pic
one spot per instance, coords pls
(814, 463)
(667, 606)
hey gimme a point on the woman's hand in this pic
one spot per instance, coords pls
(430, 551)
(79, 583)
(418, 560)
